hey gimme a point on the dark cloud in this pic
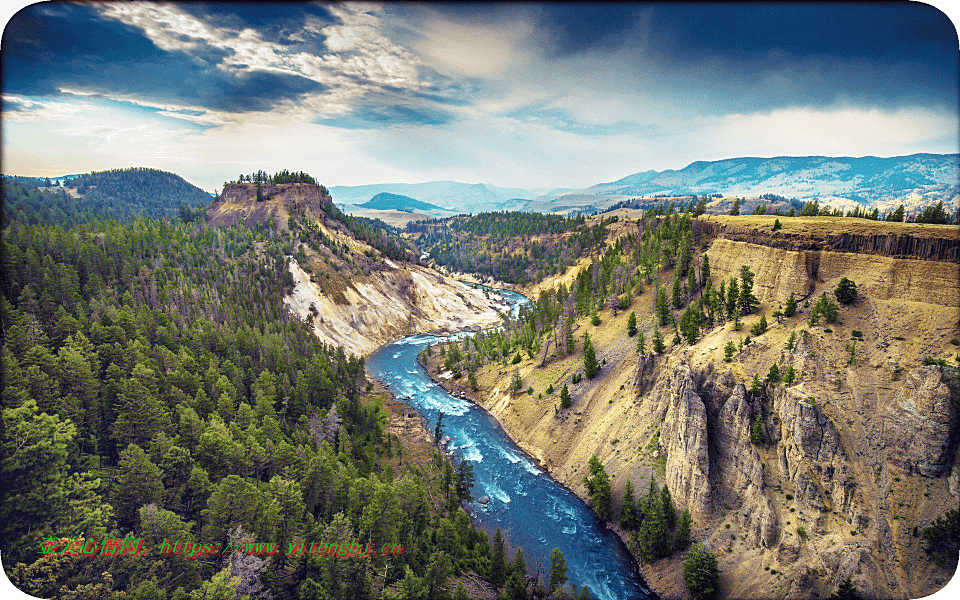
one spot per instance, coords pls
(887, 54)
(74, 48)
(278, 22)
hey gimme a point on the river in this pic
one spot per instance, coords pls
(531, 509)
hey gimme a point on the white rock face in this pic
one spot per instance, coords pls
(390, 304)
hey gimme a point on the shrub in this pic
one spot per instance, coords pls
(802, 531)
(856, 333)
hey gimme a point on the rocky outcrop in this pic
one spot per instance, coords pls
(919, 427)
(643, 380)
(391, 303)
(778, 272)
(813, 458)
(683, 439)
(740, 469)
(904, 245)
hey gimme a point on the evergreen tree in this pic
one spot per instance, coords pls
(748, 301)
(728, 351)
(590, 365)
(735, 209)
(791, 308)
(632, 324)
(692, 282)
(571, 343)
(498, 561)
(658, 345)
(663, 308)
(641, 343)
(756, 430)
(733, 299)
(690, 325)
(705, 271)
(774, 374)
(846, 590)
(594, 319)
(653, 537)
(139, 482)
(790, 376)
(756, 386)
(701, 574)
(598, 488)
(558, 570)
(564, 397)
(777, 225)
(628, 509)
(677, 290)
(846, 291)
(669, 510)
(681, 539)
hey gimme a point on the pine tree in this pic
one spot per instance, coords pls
(774, 374)
(705, 271)
(658, 345)
(628, 508)
(558, 570)
(791, 307)
(590, 365)
(728, 351)
(777, 225)
(598, 488)
(564, 397)
(641, 343)
(681, 539)
(632, 324)
(692, 282)
(733, 299)
(790, 376)
(139, 482)
(756, 386)
(748, 301)
(498, 561)
(669, 510)
(701, 574)
(846, 291)
(571, 342)
(735, 209)
(663, 308)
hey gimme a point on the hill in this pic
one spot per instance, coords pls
(354, 279)
(916, 181)
(122, 194)
(388, 201)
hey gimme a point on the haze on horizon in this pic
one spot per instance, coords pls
(531, 96)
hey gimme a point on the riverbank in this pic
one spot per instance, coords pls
(664, 579)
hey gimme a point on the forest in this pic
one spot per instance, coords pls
(514, 247)
(155, 389)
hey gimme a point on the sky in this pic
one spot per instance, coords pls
(534, 96)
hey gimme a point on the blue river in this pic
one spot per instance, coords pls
(531, 509)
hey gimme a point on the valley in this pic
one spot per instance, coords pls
(846, 449)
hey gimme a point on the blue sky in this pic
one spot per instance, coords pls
(527, 95)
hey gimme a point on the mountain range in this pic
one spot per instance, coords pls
(915, 180)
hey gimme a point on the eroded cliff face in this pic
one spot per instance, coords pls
(391, 303)
(780, 272)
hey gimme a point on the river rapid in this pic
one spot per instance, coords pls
(531, 509)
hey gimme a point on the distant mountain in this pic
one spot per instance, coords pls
(388, 201)
(463, 197)
(915, 180)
